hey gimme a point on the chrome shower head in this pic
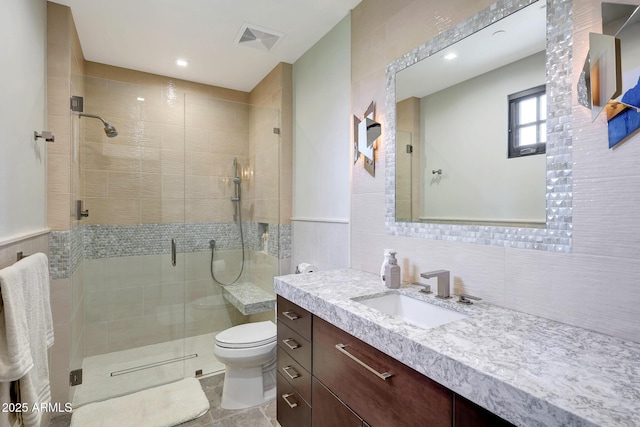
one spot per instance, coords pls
(110, 130)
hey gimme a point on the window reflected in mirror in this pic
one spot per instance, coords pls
(527, 122)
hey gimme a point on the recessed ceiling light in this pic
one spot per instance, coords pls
(140, 98)
(450, 56)
(182, 62)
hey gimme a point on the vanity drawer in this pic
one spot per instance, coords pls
(405, 398)
(295, 374)
(295, 317)
(295, 346)
(291, 409)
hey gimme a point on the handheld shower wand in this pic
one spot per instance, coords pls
(237, 217)
(237, 190)
(236, 181)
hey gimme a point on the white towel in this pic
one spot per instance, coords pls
(26, 331)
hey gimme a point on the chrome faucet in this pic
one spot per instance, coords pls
(443, 282)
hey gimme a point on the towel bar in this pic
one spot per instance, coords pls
(20, 255)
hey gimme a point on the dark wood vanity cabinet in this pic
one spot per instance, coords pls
(293, 401)
(354, 372)
(328, 378)
(468, 414)
(329, 411)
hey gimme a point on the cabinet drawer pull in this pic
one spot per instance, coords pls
(286, 370)
(291, 346)
(286, 397)
(383, 376)
(290, 315)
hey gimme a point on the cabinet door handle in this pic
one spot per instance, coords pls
(286, 370)
(286, 397)
(383, 376)
(173, 252)
(291, 346)
(290, 315)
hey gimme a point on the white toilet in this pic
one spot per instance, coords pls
(249, 353)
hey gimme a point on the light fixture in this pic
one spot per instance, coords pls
(182, 62)
(366, 131)
(140, 98)
(451, 55)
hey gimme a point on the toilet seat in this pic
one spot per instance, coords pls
(248, 335)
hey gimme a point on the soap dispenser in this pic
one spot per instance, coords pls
(392, 272)
(385, 262)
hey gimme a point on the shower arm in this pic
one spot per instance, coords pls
(93, 116)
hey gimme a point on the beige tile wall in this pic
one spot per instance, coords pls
(272, 162)
(594, 287)
(59, 59)
(65, 69)
(172, 160)
(273, 159)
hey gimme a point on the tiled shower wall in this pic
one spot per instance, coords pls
(168, 175)
(274, 162)
(167, 172)
(65, 69)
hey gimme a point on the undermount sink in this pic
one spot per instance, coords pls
(411, 310)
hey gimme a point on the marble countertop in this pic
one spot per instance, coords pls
(529, 370)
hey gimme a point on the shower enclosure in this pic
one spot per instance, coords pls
(187, 191)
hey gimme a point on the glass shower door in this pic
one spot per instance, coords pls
(134, 239)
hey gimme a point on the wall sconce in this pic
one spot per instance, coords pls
(365, 133)
(610, 79)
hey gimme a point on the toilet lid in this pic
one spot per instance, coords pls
(248, 335)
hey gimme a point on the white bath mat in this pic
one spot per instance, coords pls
(164, 406)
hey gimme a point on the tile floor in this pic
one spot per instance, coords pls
(258, 416)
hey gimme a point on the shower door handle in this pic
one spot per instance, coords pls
(173, 252)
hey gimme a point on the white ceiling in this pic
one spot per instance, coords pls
(512, 38)
(150, 35)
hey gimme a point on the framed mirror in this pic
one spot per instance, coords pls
(450, 173)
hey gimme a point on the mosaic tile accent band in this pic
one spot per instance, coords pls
(557, 236)
(105, 241)
(69, 248)
(60, 254)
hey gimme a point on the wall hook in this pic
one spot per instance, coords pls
(46, 135)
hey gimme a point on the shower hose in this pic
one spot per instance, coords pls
(212, 243)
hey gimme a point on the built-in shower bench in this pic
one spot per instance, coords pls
(249, 298)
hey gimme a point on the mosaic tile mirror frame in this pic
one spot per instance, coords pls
(556, 236)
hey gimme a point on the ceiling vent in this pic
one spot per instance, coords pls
(257, 38)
